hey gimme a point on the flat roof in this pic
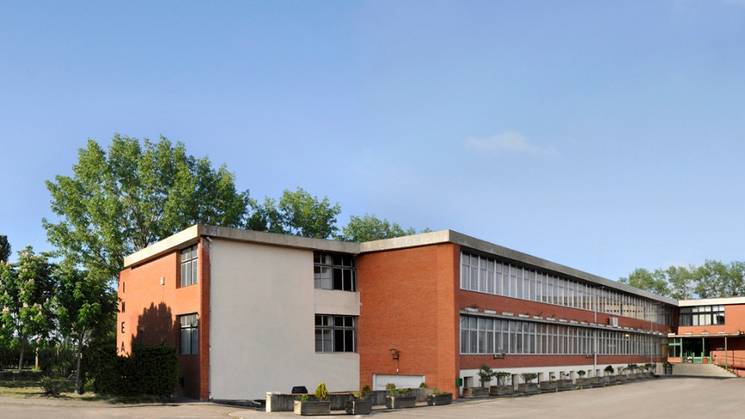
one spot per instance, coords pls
(190, 236)
(712, 302)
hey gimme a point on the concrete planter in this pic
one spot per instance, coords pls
(312, 407)
(584, 382)
(400, 402)
(339, 400)
(281, 402)
(501, 390)
(422, 394)
(548, 386)
(377, 397)
(471, 392)
(439, 399)
(614, 379)
(528, 388)
(565, 385)
(359, 407)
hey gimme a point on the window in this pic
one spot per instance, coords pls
(336, 333)
(702, 316)
(333, 271)
(189, 334)
(189, 266)
(124, 307)
(491, 276)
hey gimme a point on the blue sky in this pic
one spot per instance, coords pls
(602, 135)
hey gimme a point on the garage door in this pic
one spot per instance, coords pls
(401, 381)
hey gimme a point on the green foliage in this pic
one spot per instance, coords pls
(528, 377)
(436, 391)
(366, 389)
(654, 282)
(713, 279)
(369, 227)
(298, 213)
(137, 192)
(26, 290)
(609, 369)
(81, 302)
(321, 392)
(502, 377)
(303, 398)
(485, 374)
(4, 248)
(581, 373)
(423, 385)
(53, 386)
(150, 370)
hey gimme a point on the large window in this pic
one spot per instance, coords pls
(189, 334)
(485, 336)
(334, 271)
(702, 316)
(336, 333)
(492, 276)
(189, 266)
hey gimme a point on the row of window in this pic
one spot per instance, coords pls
(334, 271)
(701, 316)
(336, 333)
(487, 275)
(483, 335)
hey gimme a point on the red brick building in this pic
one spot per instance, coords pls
(254, 312)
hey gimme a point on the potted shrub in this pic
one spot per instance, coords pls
(399, 398)
(528, 386)
(360, 404)
(485, 376)
(502, 389)
(649, 370)
(633, 370)
(583, 382)
(439, 398)
(609, 378)
(317, 405)
(565, 382)
(550, 386)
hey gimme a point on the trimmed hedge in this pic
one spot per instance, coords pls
(149, 370)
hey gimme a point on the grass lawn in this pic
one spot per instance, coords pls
(32, 389)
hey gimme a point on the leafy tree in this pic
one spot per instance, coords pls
(654, 282)
(81, 302)
(25, 297)
(369, 227)
(138, 192)
(4, 248)
(298, 213)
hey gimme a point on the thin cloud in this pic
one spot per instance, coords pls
(508, 142)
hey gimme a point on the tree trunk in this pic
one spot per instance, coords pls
(78, 376)
(20, 358)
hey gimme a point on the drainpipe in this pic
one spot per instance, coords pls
(595, 337)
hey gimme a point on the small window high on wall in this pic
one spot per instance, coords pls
(189, 266)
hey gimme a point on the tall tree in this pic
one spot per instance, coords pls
(368, 227)
(81, 302)
(4, 248)
(138, 192)
(298, 213)
(654, 282)
(26, 299)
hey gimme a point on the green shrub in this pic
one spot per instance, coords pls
(150, 370)
(321, 392)
(54, 386)
(529, 376)
(609, 369)
(581, 373)
(485, 374)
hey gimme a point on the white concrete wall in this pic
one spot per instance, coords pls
(262, 330)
